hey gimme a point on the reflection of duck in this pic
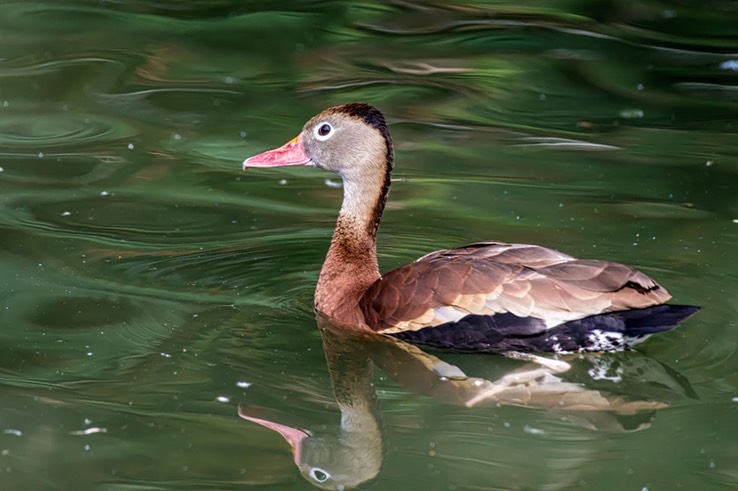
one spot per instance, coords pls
(484, 296)
(353, 455)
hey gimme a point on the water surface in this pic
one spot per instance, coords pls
(150, 290)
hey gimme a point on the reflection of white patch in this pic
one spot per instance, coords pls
(603, 370)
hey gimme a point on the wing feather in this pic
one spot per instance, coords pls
(490, 278)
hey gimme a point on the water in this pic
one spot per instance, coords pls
(150, 290)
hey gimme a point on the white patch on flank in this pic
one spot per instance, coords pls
(448, 314)
(605, 341)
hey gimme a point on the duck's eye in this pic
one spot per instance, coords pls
(319, 474)
(323, 131)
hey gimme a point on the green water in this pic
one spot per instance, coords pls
(149, 288)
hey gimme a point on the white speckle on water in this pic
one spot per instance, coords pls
(735, 399)
(229, 80)
(165, 355)
(735, 220)
(13, 431)
(6, 103)
(1, 169)
(104, 193)
(333, 184)
(222, 399)
(66, 213)
(87, 447)
(283, 182)
(176, 136)
(243, 384)
(709, 163)
(89, 353)
(533, 431)
(40, 155)
(242, 134)
(640, 87)
(632, 113)
(731, 65)
(130, 146)
(88, 431)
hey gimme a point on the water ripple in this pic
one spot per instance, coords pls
(40, 133)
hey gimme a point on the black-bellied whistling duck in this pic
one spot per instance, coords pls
(485, 296)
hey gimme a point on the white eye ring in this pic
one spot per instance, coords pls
(323, 131)
(319, 474)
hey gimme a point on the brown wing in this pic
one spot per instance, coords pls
(490, 278)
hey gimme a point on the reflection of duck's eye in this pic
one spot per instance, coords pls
(319, 474)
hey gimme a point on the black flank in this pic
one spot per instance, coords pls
(502, 332)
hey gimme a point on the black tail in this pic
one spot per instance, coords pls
(642, 322)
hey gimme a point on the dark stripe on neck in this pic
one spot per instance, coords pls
(371, 116)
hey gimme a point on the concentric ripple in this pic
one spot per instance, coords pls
(36, 133)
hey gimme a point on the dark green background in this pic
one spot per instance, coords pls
(143, 275)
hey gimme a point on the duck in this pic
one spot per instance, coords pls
(485, 296)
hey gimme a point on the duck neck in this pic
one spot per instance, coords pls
(351, 264)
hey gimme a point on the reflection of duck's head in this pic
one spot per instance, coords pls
(333, 462)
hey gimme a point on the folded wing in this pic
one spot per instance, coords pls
(530, 282)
